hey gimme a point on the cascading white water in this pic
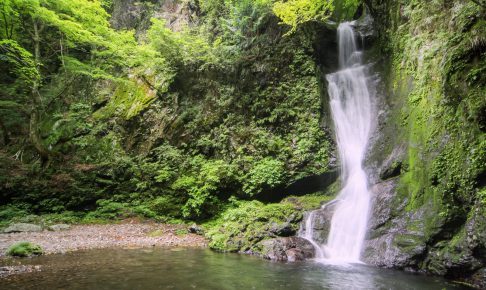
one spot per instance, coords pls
(350, 103)
(308, 235)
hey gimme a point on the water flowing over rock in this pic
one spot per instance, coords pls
(351, 108)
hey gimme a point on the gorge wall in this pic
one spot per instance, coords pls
(428, 158)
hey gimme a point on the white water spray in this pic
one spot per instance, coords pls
(350, 104)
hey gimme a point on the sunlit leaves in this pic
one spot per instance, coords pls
(297, 12)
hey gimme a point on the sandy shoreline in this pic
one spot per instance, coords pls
(83, 237)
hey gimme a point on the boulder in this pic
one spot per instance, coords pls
(321, 223)
(22, 227)
(294, 255)
(195, 229)
(286, 249)
(281, 229)
(59, 227)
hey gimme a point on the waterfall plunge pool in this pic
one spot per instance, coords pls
(183, 268)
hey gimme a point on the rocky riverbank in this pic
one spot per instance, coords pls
(83, 237)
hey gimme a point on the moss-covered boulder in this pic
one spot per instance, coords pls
(22, 227)
(241, 227)
(24, 249)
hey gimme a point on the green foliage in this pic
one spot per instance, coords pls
(10, 212)
(345, 9)
(183, 48)
(166, 206)
(109, 210)
(158, 124)
(245, 223)
(202, 186)
(298, 12)
(265, 174)
(20, 62)
(24, 249)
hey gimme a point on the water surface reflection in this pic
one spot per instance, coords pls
(202, 269)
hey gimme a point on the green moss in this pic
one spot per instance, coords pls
(443, 140)
(24, 249)
(242, 226)
(128, 100)
(438, 87)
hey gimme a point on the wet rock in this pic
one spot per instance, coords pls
(195, 229)
(392, 170)
(382, 198)
(393, 164)
(286, 249)
(282, 229)
(11, 270)
(22, 227)
(321, 223)
(366, 29)
(59, 227)
(396, 237)
(463, 254)
(294, 255)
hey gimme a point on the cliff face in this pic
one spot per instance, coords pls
(235, 110)
(428, 157)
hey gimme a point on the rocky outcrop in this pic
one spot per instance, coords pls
(289, 249)
(22, 227)
(425, 166)
(136, 14)
(391, 242)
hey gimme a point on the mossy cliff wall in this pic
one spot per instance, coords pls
(428, 157)
(238, 114)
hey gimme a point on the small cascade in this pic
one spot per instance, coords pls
(350, 103)
(306, 232)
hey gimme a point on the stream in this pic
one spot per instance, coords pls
(184, 268)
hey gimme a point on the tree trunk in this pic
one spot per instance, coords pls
(5, 136)
(36, 139)
(34, 132)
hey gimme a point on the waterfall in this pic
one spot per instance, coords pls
(350, 104)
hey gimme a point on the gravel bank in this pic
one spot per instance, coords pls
(82, 237)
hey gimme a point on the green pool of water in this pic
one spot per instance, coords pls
(201, 269)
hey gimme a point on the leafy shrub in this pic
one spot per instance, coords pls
(166, 205)
(108, 209)
(267, 173)
(202, 185)
(9, 212)
(24, 249)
